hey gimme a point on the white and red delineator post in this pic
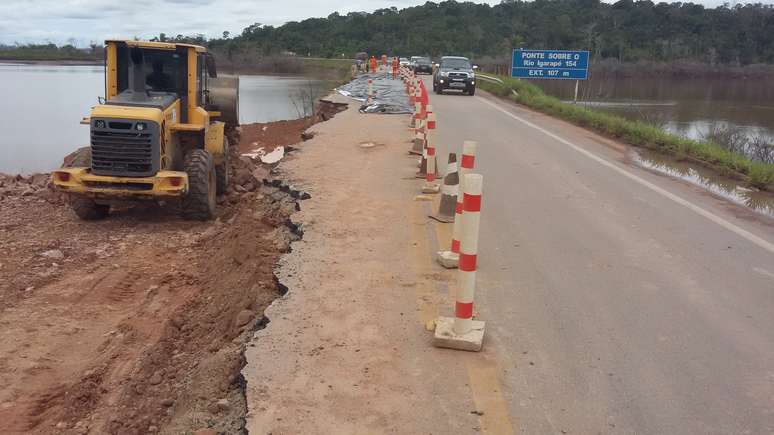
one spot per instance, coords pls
(462, 332)
(449, 259)
(430, 185)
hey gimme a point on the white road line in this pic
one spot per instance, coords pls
(768, 246)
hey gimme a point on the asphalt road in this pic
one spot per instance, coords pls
(617, 300)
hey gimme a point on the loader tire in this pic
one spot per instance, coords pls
(199, 202)
(88, 210)
(221, 170)
(83, 206)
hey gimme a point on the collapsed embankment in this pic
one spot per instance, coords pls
(138, 323)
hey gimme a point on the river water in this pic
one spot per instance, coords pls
(687, 107)
(43, 105)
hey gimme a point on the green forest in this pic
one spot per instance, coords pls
(627, 31)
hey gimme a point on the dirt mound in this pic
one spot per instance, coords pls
(35, 186)
(137, 323)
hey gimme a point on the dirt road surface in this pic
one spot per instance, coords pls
(347, 350)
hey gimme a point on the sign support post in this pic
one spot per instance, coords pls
(576, 91)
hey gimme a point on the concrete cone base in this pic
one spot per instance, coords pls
(431, 188)
(445, 336)
(442, 218)
(448, 259)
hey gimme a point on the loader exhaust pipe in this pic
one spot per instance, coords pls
(137, 78)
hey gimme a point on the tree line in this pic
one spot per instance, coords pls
(50, 51)
(627, 31)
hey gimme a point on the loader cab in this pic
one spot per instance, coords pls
(155, 74)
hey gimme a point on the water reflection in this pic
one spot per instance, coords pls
(756, 200)
(687, 107)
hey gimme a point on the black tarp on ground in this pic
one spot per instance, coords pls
(389, 95)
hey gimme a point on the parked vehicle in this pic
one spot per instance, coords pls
(423, 65)
(403, 61)
(455, 72)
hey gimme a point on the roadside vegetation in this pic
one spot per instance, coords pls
(727, 160)
(51, 52)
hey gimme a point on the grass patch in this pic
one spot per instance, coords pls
(637, 133)
(336, 70)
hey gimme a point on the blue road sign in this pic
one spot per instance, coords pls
(550, 64)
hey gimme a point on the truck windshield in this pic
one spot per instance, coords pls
(455, 63)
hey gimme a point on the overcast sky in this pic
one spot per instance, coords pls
(57, 21)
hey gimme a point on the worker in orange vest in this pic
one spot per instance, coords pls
(373, 64)
(395, 64)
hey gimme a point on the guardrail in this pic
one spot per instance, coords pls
(495, 80)
(488, 78)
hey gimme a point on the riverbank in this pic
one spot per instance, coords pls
(637, 133)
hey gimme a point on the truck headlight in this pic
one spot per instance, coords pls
(141, 126)
(99, 123)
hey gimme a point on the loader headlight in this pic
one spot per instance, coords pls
(99, 123)
(141, 126)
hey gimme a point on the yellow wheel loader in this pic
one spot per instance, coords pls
(158, 134)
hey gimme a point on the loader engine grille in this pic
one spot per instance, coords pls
(120, 151)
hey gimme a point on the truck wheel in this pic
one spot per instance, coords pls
(199, 202)
(472, 91)
(83, 206)
(221, 170)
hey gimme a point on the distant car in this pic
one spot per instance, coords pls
(423, 65)
(403, 61)
(455, 72)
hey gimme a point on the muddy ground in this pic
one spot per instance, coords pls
(137, 324)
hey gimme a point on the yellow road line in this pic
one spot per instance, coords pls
(426, 294)
(483, 375)
(488, 396)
